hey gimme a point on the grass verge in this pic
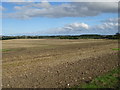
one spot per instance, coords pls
(116, 49)
(4, 50)
(109, 80)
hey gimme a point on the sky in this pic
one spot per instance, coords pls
(59, 18)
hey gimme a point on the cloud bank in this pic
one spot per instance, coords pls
(60, 0)
(82, 28)
(73, 9)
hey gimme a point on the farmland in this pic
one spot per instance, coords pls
(56, 63)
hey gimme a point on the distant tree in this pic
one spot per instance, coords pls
(117, 33)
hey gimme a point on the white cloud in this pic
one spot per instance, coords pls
(18, 8)
(2, 8)
(43, 4)
(18, 0)
(73, 9)
(107, 26)
(83, 28)
(77, 26)
(62, 0)
(72, 28)
(112, 20)
(26, 6)
(111, 23)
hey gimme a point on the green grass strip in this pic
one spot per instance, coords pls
(4, 50)
(109, 80)
(116, 49)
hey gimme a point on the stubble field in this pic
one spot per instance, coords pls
(56, 63)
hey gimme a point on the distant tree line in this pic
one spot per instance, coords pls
(94, 36)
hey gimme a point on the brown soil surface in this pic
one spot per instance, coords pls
(54, 63)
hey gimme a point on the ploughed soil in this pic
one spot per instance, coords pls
(54, 63)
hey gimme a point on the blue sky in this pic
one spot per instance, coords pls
(58, 18)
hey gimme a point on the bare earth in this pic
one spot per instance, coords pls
(54, 63)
